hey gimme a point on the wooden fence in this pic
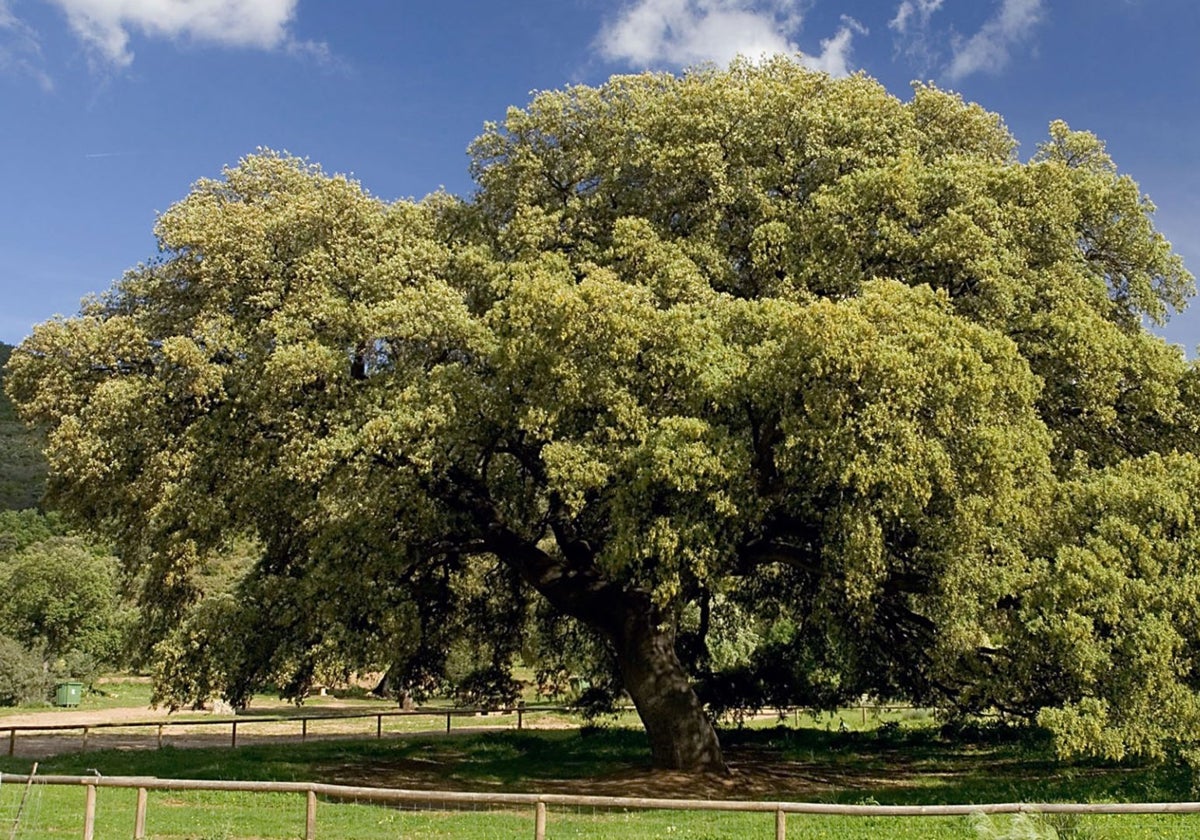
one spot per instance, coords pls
(303, 720)
(520, 711)
(539, 804)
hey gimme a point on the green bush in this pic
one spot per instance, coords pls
(63, 594)
(22, 677)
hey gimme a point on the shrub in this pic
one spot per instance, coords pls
(22, 677)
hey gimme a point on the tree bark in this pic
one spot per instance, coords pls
(681, 735)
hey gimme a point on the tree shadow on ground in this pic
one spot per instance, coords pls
(886, 766)
(920, 767)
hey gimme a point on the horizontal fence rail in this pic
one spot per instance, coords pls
(540, 803)
(303, 720)
(457, 711)
(161, 726)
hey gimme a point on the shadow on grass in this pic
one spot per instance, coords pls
(900, 767)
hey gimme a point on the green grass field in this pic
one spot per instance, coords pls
(892, 765)
(177, 816)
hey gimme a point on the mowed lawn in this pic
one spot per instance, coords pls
(892, 765)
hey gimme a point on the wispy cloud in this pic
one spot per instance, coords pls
(913, 15)
(911, 33)
(20, 48)
(678, 33)
(834, 57)
(988, 49)
(106, 26)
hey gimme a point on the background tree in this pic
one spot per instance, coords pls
(61, 606)
(61, 596)
(23, 676)
(22, 466)
(748, 342)
(19, 529)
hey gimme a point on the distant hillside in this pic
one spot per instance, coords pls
(22, 467)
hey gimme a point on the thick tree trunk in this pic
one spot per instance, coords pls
(681, 735)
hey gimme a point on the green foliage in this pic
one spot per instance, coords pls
(61, 596)
(22, 676)
(489, 687)
(1115, 610)
(22, 465)
(21, 529)
(749, 343)
(194, 661)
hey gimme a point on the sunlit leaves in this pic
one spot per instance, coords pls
(785, 346)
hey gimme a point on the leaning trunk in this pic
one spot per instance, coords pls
(681, 735)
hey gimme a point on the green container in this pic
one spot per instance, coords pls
(68, 694)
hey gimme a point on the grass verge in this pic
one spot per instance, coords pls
(889, 765)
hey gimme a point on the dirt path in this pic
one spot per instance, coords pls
(94, 729)
(89, 717)
(131, 714)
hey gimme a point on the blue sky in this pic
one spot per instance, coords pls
(110, 109)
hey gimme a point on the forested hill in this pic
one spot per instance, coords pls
(22, 467)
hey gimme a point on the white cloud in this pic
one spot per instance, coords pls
(106, 25)
(20, 48)
(682, 32)
(922, 9)
(678, 33)
(988, 49)
(911, 26)
(835, 52)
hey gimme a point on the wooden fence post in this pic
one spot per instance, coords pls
(233, 736)
(447, 722)
(139, 819)
(160, 735)
(12, 741)
(303, 729)
(539, 822)
(379, 726)
(85, 737)
(89, 814)
(541, 802)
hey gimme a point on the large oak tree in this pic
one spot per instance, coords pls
(753, 340)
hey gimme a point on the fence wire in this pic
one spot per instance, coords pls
(20, 808)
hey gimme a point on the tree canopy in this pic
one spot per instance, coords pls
(22, 467)
(749, 348)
